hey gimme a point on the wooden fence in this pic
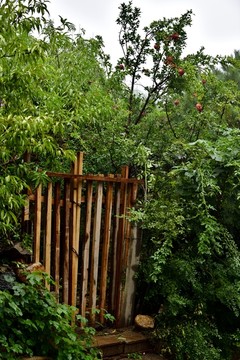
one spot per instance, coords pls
(82, 235)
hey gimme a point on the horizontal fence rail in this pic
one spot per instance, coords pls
(82, 235)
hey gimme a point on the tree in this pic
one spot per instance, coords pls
(230, 70)
(171, 118)
(189, 273)
(46, 73)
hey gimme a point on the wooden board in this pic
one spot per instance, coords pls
(95, 252)
(48, 232)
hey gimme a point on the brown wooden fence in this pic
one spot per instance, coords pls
(83, 237)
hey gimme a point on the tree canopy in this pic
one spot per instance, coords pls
(173, 118)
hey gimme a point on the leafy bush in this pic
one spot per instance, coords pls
(191, 271)
(33, 323)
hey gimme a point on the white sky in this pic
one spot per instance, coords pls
(216, 23)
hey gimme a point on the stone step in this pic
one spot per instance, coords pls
(123, 342)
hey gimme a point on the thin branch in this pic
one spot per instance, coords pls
(169, 122)
(153, 91)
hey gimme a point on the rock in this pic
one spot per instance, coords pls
(21, 272)
(15, 253)
(144, 322)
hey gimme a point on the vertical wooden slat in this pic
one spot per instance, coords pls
(26, 224)
(105, 248)
(48, 231)
(72, 229)
(76, 214)
(86, 248)
(65, 271)
(127, 230)
(37, 224)
(117, 200)
(56, 235)
(26, 208)
(95, 252)
(79, 199)
(131, 256)
(120, 247)
(26, 229)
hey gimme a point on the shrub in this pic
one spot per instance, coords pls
(33, 323)
(191, 259)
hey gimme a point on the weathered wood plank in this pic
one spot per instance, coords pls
(131, 261)
(105, 249)
(86, 249)
(120, 248)
(48, 232)
(95, 177)
(56, 236)
(78, 168)
(73, 199)
(95, 252)
(37, 224)
(116, 206)
(65, 272)
(26, 209)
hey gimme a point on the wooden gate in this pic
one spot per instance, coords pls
(82, 235)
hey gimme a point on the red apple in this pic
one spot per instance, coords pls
(199, 107)
(175, 36)
(156, 46)
(121, 66)
(181, 71)
(169, 60)
(176, 102)
(204, 81)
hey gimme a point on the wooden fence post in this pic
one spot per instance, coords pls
(65, 269)
(132, 254)
(56, 235)
(114, 261)
(95, 252)
(37, 224)
(120, 276)
(86, 249)
(105, 248)
(48, 232)
(75, 231)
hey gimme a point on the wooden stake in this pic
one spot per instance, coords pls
(105, 249)
(117, 200)
(132, 260)
(48, 232)
(37, 224)
(120, 248)
(66, 241)
(86, 248)
(56, 236)
(78, 168)
(95, 252)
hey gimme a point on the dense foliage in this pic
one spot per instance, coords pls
(47, 96)
(173, 119)
(191, 271)
(33, 323)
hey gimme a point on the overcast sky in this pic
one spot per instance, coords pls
(216, 24)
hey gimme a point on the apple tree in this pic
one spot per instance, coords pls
(185, 125)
